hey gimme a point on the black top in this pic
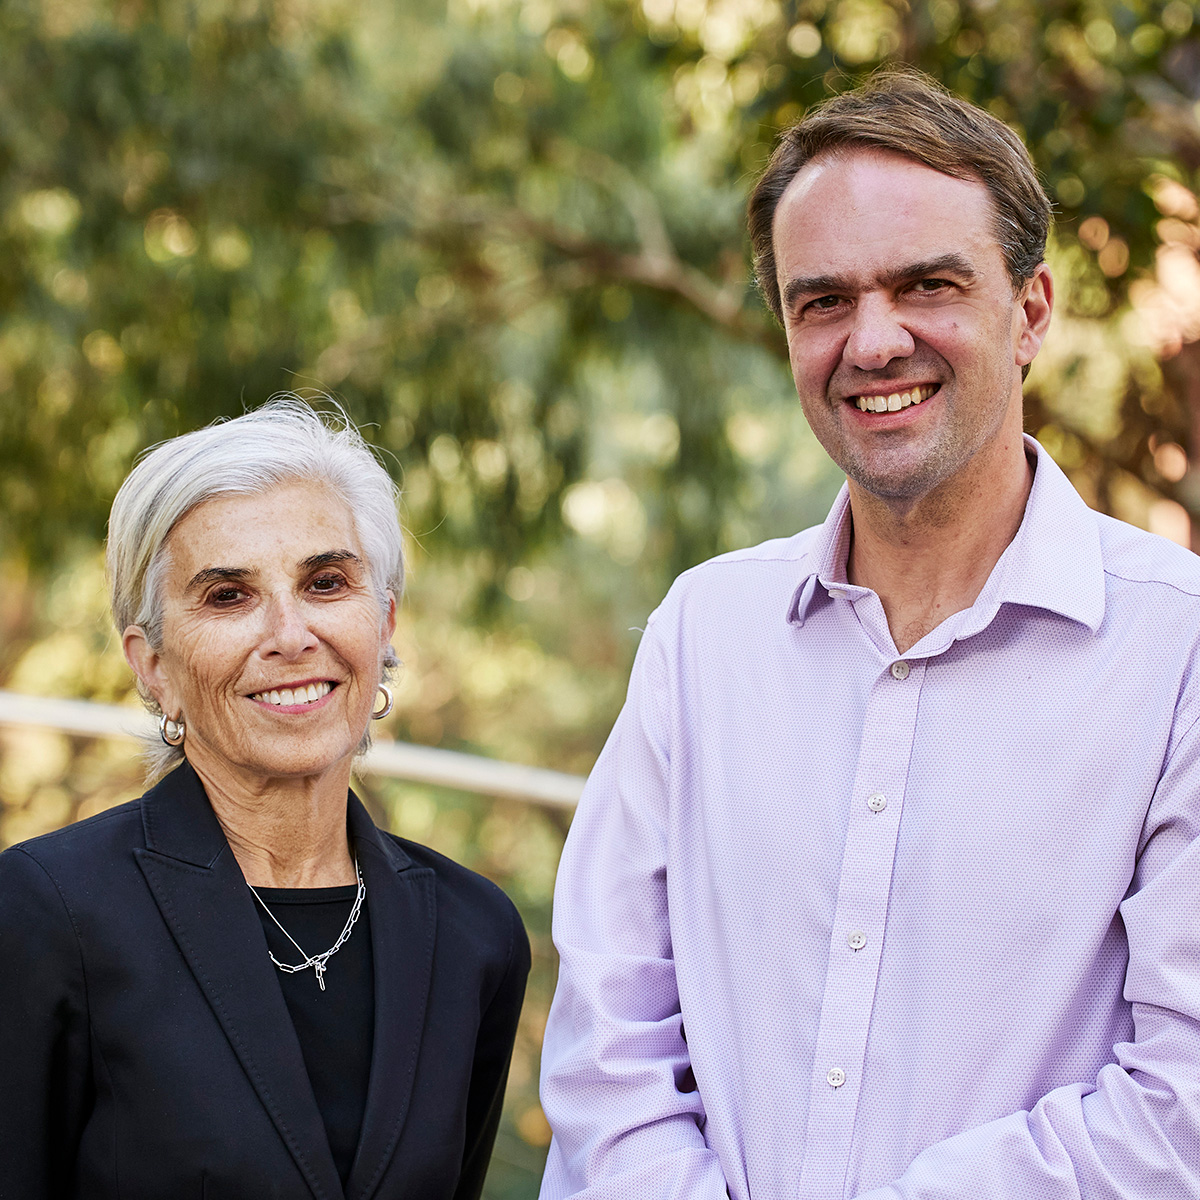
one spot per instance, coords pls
(335, 1027)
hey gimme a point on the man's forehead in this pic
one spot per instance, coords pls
(887, 207)
(908, 173)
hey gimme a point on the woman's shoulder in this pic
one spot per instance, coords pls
(456, 881)
(476, 922)
(93, 838)
(87, 867)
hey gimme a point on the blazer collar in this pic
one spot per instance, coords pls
(209, 910)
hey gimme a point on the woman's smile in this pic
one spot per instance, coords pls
(295, 697)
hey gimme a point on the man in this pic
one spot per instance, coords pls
(887, 883)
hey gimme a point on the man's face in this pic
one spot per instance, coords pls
(905, 338)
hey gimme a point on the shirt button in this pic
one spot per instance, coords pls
(877, 802)
(836, 1077)
(857, 940)
(900, 670)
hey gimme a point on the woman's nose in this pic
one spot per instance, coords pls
(877, 336)
(289, 632)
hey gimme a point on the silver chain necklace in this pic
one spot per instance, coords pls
(316, 961)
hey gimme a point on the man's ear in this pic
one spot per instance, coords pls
(147, 665)
(1032, 317)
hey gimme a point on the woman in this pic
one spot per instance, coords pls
(237, 986)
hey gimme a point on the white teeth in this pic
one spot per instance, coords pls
(308, 694)
(895, 401)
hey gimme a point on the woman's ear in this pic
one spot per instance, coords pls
(147, 665)
(389, 618)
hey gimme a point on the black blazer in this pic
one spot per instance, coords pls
(146, 1051)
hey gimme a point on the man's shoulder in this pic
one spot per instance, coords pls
(777, 553)
(1133, 556)
(741, 582)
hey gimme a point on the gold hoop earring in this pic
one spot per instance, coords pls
(387, 703)
(172, 732)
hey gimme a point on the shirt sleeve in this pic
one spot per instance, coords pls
(1134, 1131)
(617, 1084)
(489, 1073)
(45, 1080)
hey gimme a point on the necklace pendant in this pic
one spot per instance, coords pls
(320, 970)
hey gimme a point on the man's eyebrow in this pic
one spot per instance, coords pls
(945, 264)
(822, 285)
(331, 558)
(814, 285)
(209, 575)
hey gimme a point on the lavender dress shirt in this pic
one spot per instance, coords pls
(840, 922)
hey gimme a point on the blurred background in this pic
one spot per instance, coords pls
(507, 236)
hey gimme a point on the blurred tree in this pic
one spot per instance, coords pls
(507, 234)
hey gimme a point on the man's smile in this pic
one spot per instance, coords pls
(893, 401)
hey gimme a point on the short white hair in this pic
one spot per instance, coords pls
(284, 440)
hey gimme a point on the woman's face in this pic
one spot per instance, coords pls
(273, 639)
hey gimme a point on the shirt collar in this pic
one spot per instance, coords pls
(1053, 563)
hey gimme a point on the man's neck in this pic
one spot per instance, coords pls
(931, 559)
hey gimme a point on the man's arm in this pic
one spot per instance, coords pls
(1133, 1133)
(616, 1078)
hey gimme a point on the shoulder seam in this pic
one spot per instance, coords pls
(1167, 583)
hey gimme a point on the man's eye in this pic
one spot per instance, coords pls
(931, 285)
(824, 303)
(327, 583)
(226, 595)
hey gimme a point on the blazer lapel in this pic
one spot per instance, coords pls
(403, 929)
(203, 897)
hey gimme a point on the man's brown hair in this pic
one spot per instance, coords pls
(906, 112)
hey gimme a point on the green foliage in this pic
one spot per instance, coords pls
(507, 234)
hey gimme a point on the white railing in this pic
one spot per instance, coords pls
(401, 760)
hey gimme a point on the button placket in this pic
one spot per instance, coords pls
(857, 934)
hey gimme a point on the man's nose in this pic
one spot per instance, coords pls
(877, 336)
(289, 632)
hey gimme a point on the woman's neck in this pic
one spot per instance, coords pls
(284, 832)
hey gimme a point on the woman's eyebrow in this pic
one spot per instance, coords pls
(330, 558)
(214, 574)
